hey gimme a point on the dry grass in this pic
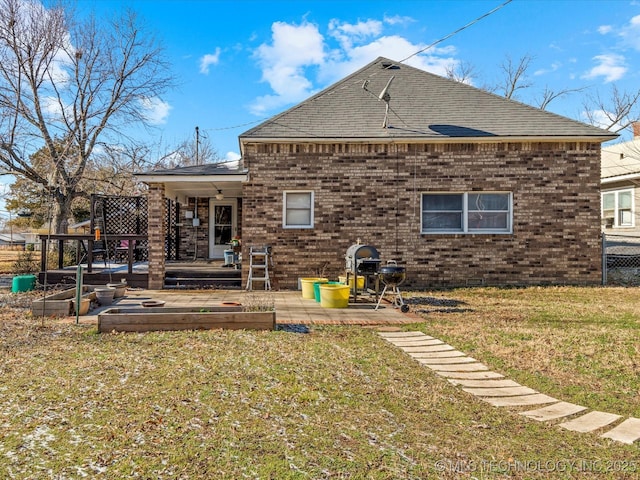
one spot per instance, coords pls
(337, 402)
(578, 344)
(9, 257)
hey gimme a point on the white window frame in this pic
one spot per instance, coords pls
(284, 209)
(465, 230)
(617, 210)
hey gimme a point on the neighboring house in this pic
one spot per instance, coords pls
(459, 185)
(620, 179)
(11, 240)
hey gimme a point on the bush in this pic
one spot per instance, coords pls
(26, 263)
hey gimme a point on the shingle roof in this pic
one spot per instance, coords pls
(422, 106)
(206, 169)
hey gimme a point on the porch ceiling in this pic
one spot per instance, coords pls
(199, 185)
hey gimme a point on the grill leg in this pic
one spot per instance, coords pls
(381, 297)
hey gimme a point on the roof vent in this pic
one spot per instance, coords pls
(389, 66)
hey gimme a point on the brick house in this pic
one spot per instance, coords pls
(620, 192)
(459, 185)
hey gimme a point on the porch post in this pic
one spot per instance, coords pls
(156, 235)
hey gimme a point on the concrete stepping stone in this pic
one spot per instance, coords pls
(434, 348)
(627, 432)
(501, 391)
(440, 354)
(446, 360)
(414, 343)
(401, 334)
(470, 375)
(426, 343)
(459, 367)
(590, 421)
(520, 400)
(487, 383)
(553, 412)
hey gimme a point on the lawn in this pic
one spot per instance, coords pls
(334, 402)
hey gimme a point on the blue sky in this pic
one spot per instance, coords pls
(239, 62)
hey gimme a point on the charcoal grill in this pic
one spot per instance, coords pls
(362, 261)
(393, 275)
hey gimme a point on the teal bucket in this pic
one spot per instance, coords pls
(316, 288)
(23, 283)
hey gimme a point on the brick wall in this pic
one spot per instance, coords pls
(157, 207)
(372, 193)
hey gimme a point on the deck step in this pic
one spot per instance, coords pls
(185, 282)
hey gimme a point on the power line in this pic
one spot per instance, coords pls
(359, 81)
(446, 37)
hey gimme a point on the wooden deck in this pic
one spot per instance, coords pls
(178, 275)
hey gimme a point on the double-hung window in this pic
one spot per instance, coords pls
(617, 208)
(472, 212)
(297, 209)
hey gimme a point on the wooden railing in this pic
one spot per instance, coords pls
(86, 243)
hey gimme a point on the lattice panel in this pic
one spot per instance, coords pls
(128, 215)
(173, 230)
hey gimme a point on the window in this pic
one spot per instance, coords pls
(475, 212)
(297, 210)
(617, 208)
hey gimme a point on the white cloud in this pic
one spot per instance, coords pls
(604, 29)
(435, 60)
(232, 156)
(611, 67)
(283, 63)
(630, 33)
(209, 59)
(299, 60)
(349, 33)
(542, 71)
(156, 111)
(398, 20)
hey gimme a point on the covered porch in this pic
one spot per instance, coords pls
(207, 217)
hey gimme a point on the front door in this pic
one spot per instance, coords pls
(222, 225)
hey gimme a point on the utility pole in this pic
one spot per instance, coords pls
(197, 146)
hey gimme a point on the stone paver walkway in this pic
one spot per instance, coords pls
(477, 379)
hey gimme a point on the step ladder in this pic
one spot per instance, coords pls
(259, 260)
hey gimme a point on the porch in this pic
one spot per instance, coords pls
(123, 257)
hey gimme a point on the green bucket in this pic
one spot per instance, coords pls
(23, 283)
(316, 288)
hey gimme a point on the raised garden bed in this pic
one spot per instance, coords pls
(60, 304)
(148, 319)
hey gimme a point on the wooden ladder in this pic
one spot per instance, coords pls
(259, 259)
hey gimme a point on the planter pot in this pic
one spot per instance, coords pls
(316, 289)
(334, 296)
(84, 306)
(351, 278)
(307, 286)
(104, 295)
(121, 289)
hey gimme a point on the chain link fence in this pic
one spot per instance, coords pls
(620, 260)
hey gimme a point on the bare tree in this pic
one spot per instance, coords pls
(515, 76)
(619, 112)
(549, 95)
(463, 72)
(65, 84)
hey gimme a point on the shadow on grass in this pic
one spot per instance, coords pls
(292, 328)
(443, 305)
